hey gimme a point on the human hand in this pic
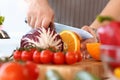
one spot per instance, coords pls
(39, 13)
(90, 40)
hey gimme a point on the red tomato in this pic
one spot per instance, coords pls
(27, 55)
(78, 56)
(70, 58)
(32, 70)
(17, 54)
(13, 71)
(46, 56)
(59, 58)
(32, 50)
(36, 56)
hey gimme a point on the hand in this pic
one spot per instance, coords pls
(90, 40)
(39, 13)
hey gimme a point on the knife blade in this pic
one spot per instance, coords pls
(82, 33)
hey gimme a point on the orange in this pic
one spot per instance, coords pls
(71, 40)
(94, 50)
(117, 72)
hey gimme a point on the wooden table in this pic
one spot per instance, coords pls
(92, 66)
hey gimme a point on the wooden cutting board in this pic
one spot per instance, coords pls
(68, 71)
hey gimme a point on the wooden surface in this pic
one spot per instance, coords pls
(94, 67)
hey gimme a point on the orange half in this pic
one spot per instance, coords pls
(94, 50)
(71, 40)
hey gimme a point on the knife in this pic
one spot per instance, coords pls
(61, 27)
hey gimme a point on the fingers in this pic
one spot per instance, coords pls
(43, 23)
(28, 20)
(90, 40)
(84, 42)
(84, 52)
(87, 28)
(46, 22)
(38, 23)
(32, 22)
(39, 14)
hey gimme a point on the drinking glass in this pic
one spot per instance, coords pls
(110, 56)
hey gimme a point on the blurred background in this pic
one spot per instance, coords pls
(15, 14)
(77, 13)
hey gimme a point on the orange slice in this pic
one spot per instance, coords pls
(94, 50)
(71, 40)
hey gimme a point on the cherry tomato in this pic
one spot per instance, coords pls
(36, 56)
(13, 71)
(32, 50)
(59, 58)
(27, 55)
(70, 58)
(46, 56)
(32, 69)
(17, 54)
(78, 56)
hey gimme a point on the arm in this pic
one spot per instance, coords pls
(112, 9)
(39, 13)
